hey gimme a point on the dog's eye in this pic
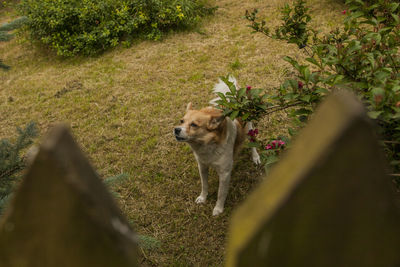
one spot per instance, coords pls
(182, 121)
(193, 124)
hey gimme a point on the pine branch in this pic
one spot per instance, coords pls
(116, 180)
(15, 24)
(4, 36)
(10, 160)
(3, 202)
(4, 66)
(148, 242)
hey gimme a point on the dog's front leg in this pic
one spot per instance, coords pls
(203, 170)
(254, 153)
(224, 178)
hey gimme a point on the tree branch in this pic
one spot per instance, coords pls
(279, 107)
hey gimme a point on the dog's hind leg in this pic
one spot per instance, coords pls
(254, 153)
(203, 170)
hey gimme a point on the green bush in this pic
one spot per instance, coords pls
(90, 26)
(361, 56)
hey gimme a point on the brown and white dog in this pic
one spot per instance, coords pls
(215, 141)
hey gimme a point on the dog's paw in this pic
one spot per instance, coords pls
(256, 158)
(217, 211)
(201, 199)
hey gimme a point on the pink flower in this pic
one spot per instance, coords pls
(344, 12)
(268, 147)
(300, 84)
(248, 88)
(252, 132)
(281, 143)
(274, 143)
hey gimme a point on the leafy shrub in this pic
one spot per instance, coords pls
(362, 56)
(90, 26)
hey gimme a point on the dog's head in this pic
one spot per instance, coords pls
(201, 126)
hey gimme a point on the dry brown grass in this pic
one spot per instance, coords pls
(123, 105)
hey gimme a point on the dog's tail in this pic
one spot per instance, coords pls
(221, 87)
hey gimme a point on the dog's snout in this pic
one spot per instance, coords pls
(177, 131)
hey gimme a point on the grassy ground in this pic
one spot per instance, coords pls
(122, 107)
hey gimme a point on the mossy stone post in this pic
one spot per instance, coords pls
(327, 203)
(62, 214)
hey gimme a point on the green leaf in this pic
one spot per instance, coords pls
(394, 6)
(226, 112)
(245, 116)
(241, 92)
(384, 31)
(337, 79)
(301, 111)
(292, 62)
(353, 46)
(234, 114)
(293, 84)
(313, 61)
(374, 114)
(261, 106)
(222, 96)
(306, 98)
(305, 71)
(288, 96)
(396, 88)
(372, 7)
(396, 115)
(321, 90)
(255, 92)
(396, 18)
(377, 37)
(357, 14)
(382, 75)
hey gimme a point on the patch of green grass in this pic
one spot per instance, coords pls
(236, 64)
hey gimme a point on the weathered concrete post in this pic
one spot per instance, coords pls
(62, 214)
(327, 203)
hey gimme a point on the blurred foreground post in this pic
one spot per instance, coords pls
(62, 214)
(327, 203)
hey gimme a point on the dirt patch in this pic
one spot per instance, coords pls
(70, 86)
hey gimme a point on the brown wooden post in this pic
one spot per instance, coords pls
(327, 203)
(62, 214)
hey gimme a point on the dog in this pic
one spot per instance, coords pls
(215, 140)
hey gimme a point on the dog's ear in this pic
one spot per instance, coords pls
(215, 122)
(189, 106)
